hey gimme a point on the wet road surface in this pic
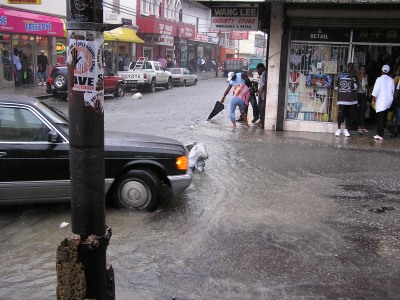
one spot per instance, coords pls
(273, 216)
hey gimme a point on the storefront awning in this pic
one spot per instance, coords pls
(122, 34)
(15, 21)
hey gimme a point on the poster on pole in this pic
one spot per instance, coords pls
(86, 57)
(237, 18)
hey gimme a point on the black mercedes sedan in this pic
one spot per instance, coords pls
(140, 170)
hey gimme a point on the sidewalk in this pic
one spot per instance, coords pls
(356, 141)
(207, 75)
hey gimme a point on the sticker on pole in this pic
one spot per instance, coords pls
(95, 100)
(82, 55)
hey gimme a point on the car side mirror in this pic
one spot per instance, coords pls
(53, 136)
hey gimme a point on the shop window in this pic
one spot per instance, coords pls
(144, 7)
(178, 11)
(313, 70)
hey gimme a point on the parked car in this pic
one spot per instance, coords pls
(182, 76)
(146, 75)
(57, 83)
(140, 170)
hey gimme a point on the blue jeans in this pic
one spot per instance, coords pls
(236, 102)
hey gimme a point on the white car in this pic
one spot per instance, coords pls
(182, 76)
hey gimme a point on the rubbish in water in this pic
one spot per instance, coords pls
(381, 209)
(63, 224)
(137, 96)
(197, 157)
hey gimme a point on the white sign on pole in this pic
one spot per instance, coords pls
(235, 18)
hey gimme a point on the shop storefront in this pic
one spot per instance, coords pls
(25, 34)
(120, 47)
(317, 54)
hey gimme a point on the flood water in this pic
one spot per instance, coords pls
(273, 216)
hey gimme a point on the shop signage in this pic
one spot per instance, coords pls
(376, 35)
(321, 35)
(155, 26)
(60, 48)
(234, 18)
(24, 1)
(186, 32)
(157, 39)
(29, 23)
(110, 17)
(239, 35)
(201, 37)
(127, 21)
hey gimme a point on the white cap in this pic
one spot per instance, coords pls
(385, 69)
(42, 51)
(230, 75)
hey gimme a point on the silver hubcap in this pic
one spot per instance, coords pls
(134, 193)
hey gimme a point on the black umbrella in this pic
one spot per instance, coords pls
(217, 109)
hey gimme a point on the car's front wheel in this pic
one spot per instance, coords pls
(60, 82)
(138, 189)
(119, 92)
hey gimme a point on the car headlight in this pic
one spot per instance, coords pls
(182, 162)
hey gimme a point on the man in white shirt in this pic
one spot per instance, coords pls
(262, 87)
(382, 98)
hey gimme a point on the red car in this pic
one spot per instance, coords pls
(57, 82)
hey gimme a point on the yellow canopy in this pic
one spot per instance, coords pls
(122, 34)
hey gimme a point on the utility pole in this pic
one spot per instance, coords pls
(81, 257)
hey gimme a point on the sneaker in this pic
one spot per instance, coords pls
(378, 138)
(346, 133)
(338, 132)
(39, 83)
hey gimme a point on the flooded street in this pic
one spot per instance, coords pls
(273, 216)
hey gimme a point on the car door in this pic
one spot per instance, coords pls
(31, 167)
(188, 77)
(161, 73)
(108, 81)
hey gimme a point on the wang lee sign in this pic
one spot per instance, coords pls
(235, 18)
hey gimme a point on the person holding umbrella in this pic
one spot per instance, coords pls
(239, 97)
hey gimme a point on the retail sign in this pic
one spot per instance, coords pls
(165, 29)
(187, 32)
(127, 22)
(239, 35)
(110, 17)
(24, 1)
(60, 48)
(234, 18)
(201, 37)
(30, 23)
(158, 39)
(376, 35)
(321, 35)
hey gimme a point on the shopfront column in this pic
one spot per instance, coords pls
(274, 59)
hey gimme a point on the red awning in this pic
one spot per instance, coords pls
(15, 21)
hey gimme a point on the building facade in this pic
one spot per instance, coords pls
(311, 44)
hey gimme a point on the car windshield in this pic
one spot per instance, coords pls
(55, 116)
(175, 71)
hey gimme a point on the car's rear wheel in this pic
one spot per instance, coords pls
(184, 83)
(168, 85)
(152, 86)
(119, 92)
(195, 82)
(138, 189)
(60, 82)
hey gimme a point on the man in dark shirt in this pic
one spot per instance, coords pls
(346, 98)
(42, 67)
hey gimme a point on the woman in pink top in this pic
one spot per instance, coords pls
(241, 97)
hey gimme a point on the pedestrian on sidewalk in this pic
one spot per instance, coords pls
(17, 68)
(362, 94)
(346, 99)
(42, 62)
(261, 93)
(382, 99)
